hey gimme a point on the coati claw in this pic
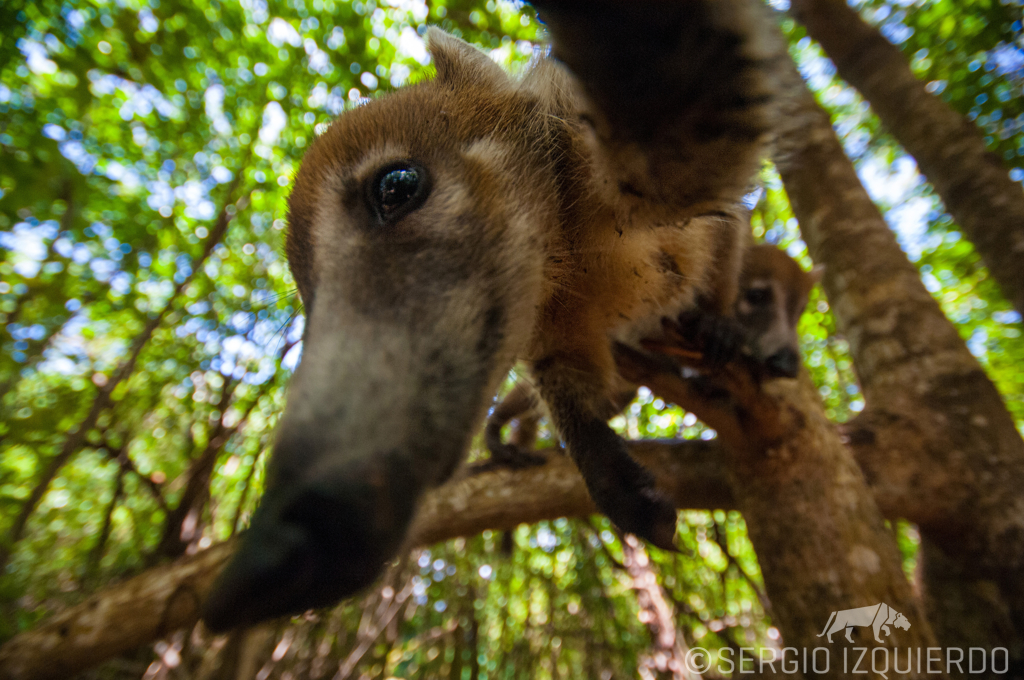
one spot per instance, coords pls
(719, 339)
(620, 487)
(648, 514)
(661, 527)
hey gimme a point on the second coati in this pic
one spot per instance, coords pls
(772, 293)
(443, 231)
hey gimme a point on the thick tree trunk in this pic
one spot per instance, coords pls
(972, 182)
(819, 536)
(935, 426)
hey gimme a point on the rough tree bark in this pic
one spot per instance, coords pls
(972, 182)
(160, 600)
(935, 430)
(695, 474)
(819, 536)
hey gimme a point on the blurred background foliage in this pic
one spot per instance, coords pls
(148, 322)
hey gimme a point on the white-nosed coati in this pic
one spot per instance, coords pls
(772, 293)
(445, 230)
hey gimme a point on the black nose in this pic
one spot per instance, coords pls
(783, 364)
(313, 543)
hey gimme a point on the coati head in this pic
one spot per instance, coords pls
(416, 238)
(773, 293)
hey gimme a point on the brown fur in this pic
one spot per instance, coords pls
(557, 214)
(774, 295)
(763, 267)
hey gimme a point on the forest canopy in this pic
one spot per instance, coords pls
(149, 325)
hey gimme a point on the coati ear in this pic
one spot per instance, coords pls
(460, 64)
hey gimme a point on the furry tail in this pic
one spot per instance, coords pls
(827, 624)
(681, 97)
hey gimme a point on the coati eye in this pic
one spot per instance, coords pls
(398, 189)
(759, 296)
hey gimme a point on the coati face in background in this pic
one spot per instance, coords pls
(773, 294)
(415, 239)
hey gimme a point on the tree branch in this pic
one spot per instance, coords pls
(92, 561)
(972, 182)
(77, 436)
(162, 599)
(936, 441)
(805, 501)
(656, 613)
(245, 491)
(693, 473)
(175, 540)
(128, 465)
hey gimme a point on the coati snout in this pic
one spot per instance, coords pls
(443, 231)
(401, 225)
(314, 542)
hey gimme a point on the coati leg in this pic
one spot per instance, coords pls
(711, 325)
(621, 488)
(520, 407)
(676, 111)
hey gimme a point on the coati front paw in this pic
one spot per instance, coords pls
(510, 457)
(719, 339)
(639, 509)
(657, 520)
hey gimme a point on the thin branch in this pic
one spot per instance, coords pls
(164, 598)
(723, 543)
(92, 561)
(655, 612)
(77, 436)
(173, 542)
(386, 611)
(120, 455)
(245, 491)
(616, 564)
